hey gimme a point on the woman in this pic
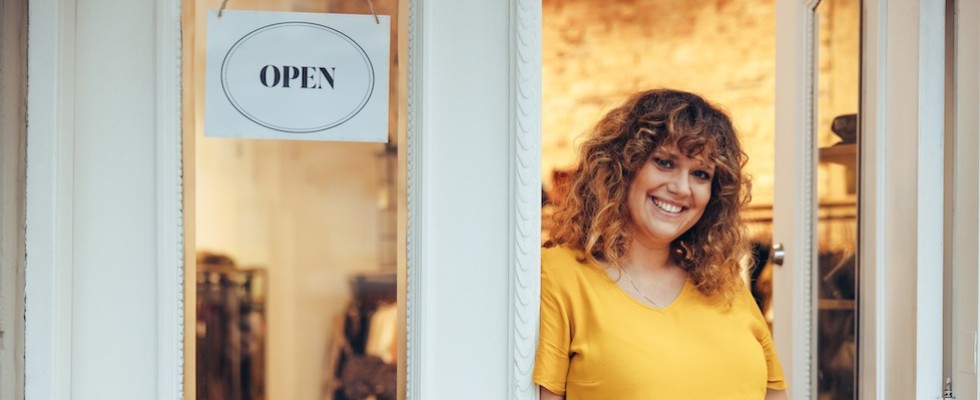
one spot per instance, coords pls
(641, 295)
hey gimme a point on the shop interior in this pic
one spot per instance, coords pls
(294, 242)
(595, 54)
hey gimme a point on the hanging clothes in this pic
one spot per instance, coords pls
(230, 331)
(363, 357)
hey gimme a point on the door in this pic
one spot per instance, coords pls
(816, 196)
(857, 307)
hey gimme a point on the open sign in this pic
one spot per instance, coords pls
(297, 76)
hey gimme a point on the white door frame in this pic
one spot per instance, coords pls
(902, 85)
(443, 63)
(49, 233)
(51, 326)
(794, 197)
(964, 92)
(966, 188)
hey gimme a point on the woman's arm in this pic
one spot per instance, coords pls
(770, 394)
(548, 395)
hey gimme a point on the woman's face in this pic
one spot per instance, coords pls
(668, 196)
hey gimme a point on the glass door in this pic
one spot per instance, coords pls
(291, 279)
(837, 97)
(815, 203)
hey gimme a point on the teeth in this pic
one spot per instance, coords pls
(667, 207)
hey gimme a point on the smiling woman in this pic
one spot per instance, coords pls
(655, 198)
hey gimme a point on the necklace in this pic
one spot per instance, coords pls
(638, 289)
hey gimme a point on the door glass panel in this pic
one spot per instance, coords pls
(838, 25)
(293, 292)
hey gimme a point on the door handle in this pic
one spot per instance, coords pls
(777, 254)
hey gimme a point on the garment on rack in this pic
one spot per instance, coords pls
(383, 333)
(364, 363)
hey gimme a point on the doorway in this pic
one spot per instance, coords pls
(595, 55)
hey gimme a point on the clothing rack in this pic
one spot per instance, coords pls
(230, 330)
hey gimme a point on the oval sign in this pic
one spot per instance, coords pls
(297, 92)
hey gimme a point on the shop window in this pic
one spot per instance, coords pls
(292, 262)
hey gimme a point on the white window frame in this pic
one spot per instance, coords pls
(49, 235)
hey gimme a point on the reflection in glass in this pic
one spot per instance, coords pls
(838, 95)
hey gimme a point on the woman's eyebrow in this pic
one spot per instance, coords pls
(664, 154)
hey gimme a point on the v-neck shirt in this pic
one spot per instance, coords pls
(598, 342)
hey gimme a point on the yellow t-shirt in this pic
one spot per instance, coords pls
(597, 342)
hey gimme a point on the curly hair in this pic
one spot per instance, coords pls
(591, 213)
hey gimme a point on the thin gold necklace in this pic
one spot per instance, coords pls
(628, 278)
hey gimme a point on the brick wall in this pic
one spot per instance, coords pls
(595, 53)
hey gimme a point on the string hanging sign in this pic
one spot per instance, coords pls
(305, 76)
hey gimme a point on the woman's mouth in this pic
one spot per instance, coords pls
(667, 207)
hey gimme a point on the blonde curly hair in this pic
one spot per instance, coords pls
(591, 213)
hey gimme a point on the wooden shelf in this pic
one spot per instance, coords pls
(839, 154)
(846, 155)
(834, 304)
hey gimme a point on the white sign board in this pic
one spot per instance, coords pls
(303, 76)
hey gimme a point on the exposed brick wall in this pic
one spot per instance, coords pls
(595, 53)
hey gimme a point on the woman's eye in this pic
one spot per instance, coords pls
(662, 162)
(702, 175)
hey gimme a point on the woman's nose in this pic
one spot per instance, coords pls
(679, 184)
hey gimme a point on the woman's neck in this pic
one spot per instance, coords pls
(650, 258)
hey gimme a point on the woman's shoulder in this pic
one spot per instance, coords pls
(563, 263)
(560, 256)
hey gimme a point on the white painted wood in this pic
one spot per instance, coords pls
(794, 197)
(50, 190)
(103, 231)
(966, 360)
(415, 252)
(901, 242)
(459, 190)
(965, 95)
(115, 261)
(930, 179)
(898, 230)
(966, 240)
(169, 203)
(871, 225)
(525, 194)
(13, 124)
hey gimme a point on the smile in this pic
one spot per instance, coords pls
(667, 207)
